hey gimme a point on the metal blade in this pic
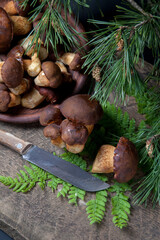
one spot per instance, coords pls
(64, 170)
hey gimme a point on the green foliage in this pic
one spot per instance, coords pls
(75, 194)
(55, 23)
(120, 204)
(96, 207)
(118, 46)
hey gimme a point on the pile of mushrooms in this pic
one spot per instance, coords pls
(70, 125)
(28, 78)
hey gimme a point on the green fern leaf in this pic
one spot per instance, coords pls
(75, 194)
(120, 205)
(96, 207)
(64, 191)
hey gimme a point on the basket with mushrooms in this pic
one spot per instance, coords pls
(29, 78)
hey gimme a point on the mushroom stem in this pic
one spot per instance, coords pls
(21, 25)
(33, 66)
(41, 80)
(103, 162)
(1, 64)
(76, 148)
(10, 8)
(14, 100)
(32, 99)
(23, 87)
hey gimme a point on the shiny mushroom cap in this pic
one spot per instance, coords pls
(72, 133)
(53, 73)
(81, 109)
(6, 31)
(50, 115)
(52, 131)
(17, 52)
(125, 160)
(12, 72)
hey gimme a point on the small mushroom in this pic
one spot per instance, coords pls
(50, 76)
(74, 135)
(23, 87)
(6, 31)
(49, 94)
(73, 60)
(32, 99)
(21, 25)
(16, 52)
(12, 72)
(26, 42)
(8, 100)
(53, 132)
(13, 7)
(67, 77)
(122, 160)
(32, 66)
(50, 115)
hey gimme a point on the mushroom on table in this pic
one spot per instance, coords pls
(122, 160)
(80, 113)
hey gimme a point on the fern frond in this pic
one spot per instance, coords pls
(75, 194)
(120, 204)
(65, 189)
(96, 207)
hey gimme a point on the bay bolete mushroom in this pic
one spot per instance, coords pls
(6, 31)
(122, 160)
(13, 7)
(73, 60)
(81, 109)
(53, 132)
(7, 100)
(50, 115)
(50, 76)
(74, 135)
(12, 72)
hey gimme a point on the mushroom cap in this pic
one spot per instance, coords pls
(6, 31)
(72, 133)
(3, 87)
(4, 100)
(52, 131)
(12, 72)
(53, 73)
(125, 160)
(17, 52)
(50, 115)
(81, 109)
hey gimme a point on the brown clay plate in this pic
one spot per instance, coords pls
(22, 115)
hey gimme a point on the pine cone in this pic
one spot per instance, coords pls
(96, 73)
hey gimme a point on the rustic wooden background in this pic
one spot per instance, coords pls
(40, 215)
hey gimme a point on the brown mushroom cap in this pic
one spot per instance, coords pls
(50, 115)
(53, 73)
(4, 101)
(3, 87)
(12, 72)
(72, 133)
(125, 160)
(16, 52)
(79, 108)
(6, 31)
(52, 131)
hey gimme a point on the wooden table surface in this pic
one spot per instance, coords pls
(40, 215)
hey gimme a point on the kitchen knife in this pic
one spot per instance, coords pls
(53, 164)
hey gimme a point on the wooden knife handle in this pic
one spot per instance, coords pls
(13, 142)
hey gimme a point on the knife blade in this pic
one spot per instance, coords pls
(53, 164)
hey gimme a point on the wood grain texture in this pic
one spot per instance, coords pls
(39, 215)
